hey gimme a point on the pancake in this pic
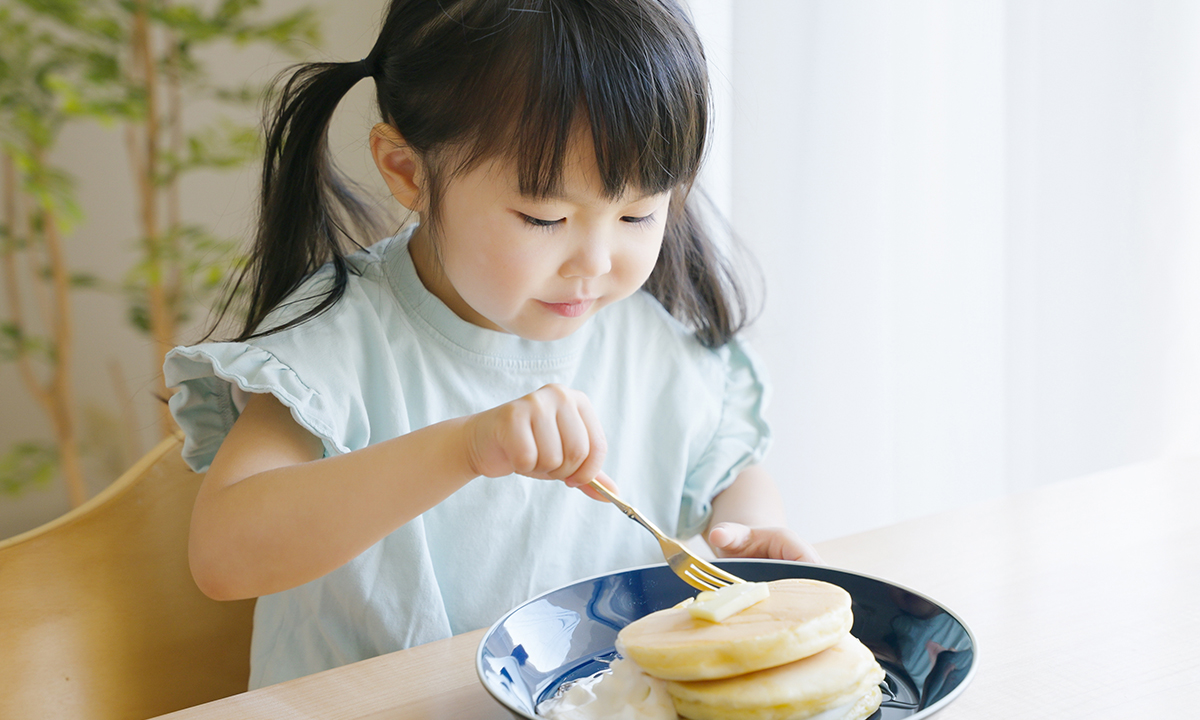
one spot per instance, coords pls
(842, 681)
(801, 617)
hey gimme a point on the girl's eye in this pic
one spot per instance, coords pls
(634, 220)
(538, 222)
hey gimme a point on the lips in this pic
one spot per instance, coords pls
(570, 309)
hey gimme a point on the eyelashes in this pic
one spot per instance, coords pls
(542, 224)
(539, 223)
(635, 220)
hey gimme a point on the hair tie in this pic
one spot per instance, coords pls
(368, 66)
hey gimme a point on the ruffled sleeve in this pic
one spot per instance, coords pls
(741, 438)
(205, 376)
(318, 370)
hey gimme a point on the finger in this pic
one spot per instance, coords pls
(543, 423)
(597, 444)
(519, 442)
(731, 540)
(576, 443)
(775, 543)
(604, 480)
(783, 544)
(798, 550)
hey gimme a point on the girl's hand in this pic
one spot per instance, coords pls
(552, 433)
(730, 539)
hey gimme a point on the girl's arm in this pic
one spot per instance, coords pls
(748, 521)
(271, 514)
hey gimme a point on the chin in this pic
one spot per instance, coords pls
(550, 335)
(552, 331)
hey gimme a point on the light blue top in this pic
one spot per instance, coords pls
(681, 421)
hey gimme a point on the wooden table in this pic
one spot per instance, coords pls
(1084, 597)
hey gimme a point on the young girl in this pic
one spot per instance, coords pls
(378, 436)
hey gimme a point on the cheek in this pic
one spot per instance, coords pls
(470, 246)
(640, 260)
(491, 272)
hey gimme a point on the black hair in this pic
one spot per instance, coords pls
(464, 81)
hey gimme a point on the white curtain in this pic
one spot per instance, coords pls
(979, 227)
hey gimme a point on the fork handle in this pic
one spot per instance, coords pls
(626, 508)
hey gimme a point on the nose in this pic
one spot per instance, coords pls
(590, 257)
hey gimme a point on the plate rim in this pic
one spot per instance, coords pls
(924, 713)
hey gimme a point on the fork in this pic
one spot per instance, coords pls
(693, 570)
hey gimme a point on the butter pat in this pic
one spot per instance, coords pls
(716, 605)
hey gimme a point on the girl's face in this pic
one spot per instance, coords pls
(538, 268)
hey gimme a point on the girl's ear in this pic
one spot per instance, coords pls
(399, 166)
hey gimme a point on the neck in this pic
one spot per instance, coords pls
(423, 249)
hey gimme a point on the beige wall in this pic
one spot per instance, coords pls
(104, 244)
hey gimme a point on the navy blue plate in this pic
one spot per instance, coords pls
(927, 652)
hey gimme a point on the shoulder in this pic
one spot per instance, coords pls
(344, 346)
(366, 292)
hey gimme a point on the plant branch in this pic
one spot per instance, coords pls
(61, 389)
(174, 83)
(36, 274)
(12, 289)
(162, 329)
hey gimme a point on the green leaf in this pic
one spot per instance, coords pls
(10, 341)
(139, 317)
(85, 281)
(26, 466)
(15, 343)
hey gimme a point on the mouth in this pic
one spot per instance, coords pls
(572, 309)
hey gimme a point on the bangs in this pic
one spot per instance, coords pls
(547, 69)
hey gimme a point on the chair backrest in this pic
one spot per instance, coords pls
(99, 615)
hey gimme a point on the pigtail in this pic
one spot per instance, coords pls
(306, 203)
(695, 281)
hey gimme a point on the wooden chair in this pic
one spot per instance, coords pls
(99, 616)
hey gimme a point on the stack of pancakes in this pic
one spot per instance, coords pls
(788, 657)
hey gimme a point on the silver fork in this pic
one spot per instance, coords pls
(694, 571)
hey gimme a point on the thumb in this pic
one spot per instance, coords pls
(729, 539)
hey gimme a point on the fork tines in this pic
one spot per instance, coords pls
(703, 575)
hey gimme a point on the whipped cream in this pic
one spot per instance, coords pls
(623, 692)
